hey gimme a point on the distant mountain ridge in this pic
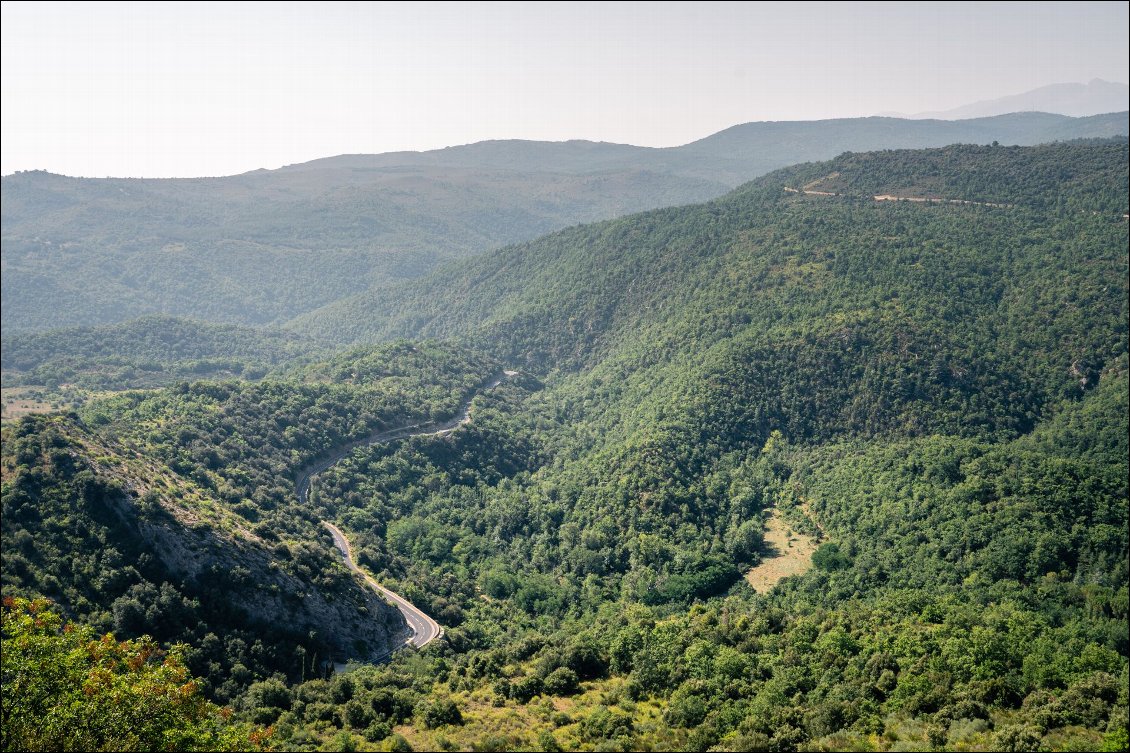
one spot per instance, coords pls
(267, 246)
(621, 271)
(741, 152)
(1074, 99)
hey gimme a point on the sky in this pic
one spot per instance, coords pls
(195, 89)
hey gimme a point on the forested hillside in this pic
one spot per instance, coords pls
(265, 246)
(261, 247)
(936, 393)
(186, 526)
(146, 352)
(567, 297)
(923, 365)
(127, 544)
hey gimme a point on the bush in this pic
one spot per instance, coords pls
(525, 689)
(548, 743)
(440, 712)
(829, 557)
(1016, 737)
(561, 681)
(66, 689)
(378, 731)
(397, 744)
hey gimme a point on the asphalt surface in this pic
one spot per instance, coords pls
(423, 628)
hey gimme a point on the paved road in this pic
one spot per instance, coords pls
(889, 197)
(307, 473)
(424, 628)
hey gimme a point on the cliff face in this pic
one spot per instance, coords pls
(345, 613)
(175, 531)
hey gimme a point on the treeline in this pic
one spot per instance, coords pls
(759, 259)
(149, 351)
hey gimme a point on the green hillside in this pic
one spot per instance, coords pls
(126, 543)
(186, 521)
(261, 247)
(266, 246)
(922, 381)
(933, 395)
(146, 352)
(688, 276)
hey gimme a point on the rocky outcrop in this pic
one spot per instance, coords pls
(201, 541)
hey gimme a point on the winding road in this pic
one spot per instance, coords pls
(424, 628)
(890, 197)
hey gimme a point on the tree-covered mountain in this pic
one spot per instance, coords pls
(128, 544)
(930, 383)
(261, 247)
(174, 513)
(935, 393)
(146, 352)
(266, 246)
(576, 293)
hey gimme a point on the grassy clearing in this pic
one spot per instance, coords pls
(28, 399)
(22, 401)
(788, 553)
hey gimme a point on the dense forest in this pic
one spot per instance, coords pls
(936, 394)
(263, 247)
(146, 352)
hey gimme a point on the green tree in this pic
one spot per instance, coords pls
(67, 689)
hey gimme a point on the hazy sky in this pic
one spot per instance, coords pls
(170, 89)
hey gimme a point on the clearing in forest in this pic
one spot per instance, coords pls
(20, 401)
(787, 552)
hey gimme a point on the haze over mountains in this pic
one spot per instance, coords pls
(1092, 98)
(690, 416)
(267, 246)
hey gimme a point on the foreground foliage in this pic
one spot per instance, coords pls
(66, 688)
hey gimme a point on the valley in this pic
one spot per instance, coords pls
(422, 628)
(589, 377)
(769, 471)
(265, 247)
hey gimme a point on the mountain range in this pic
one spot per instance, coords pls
(902, 372)
(267, 246)
(1095, 97)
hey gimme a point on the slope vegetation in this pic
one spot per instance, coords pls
(938, 392)
(128, 545)
(146, 352)
(943, 386)
(263, 247)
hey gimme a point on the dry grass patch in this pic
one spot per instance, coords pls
(17, 402)
(788, 553)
